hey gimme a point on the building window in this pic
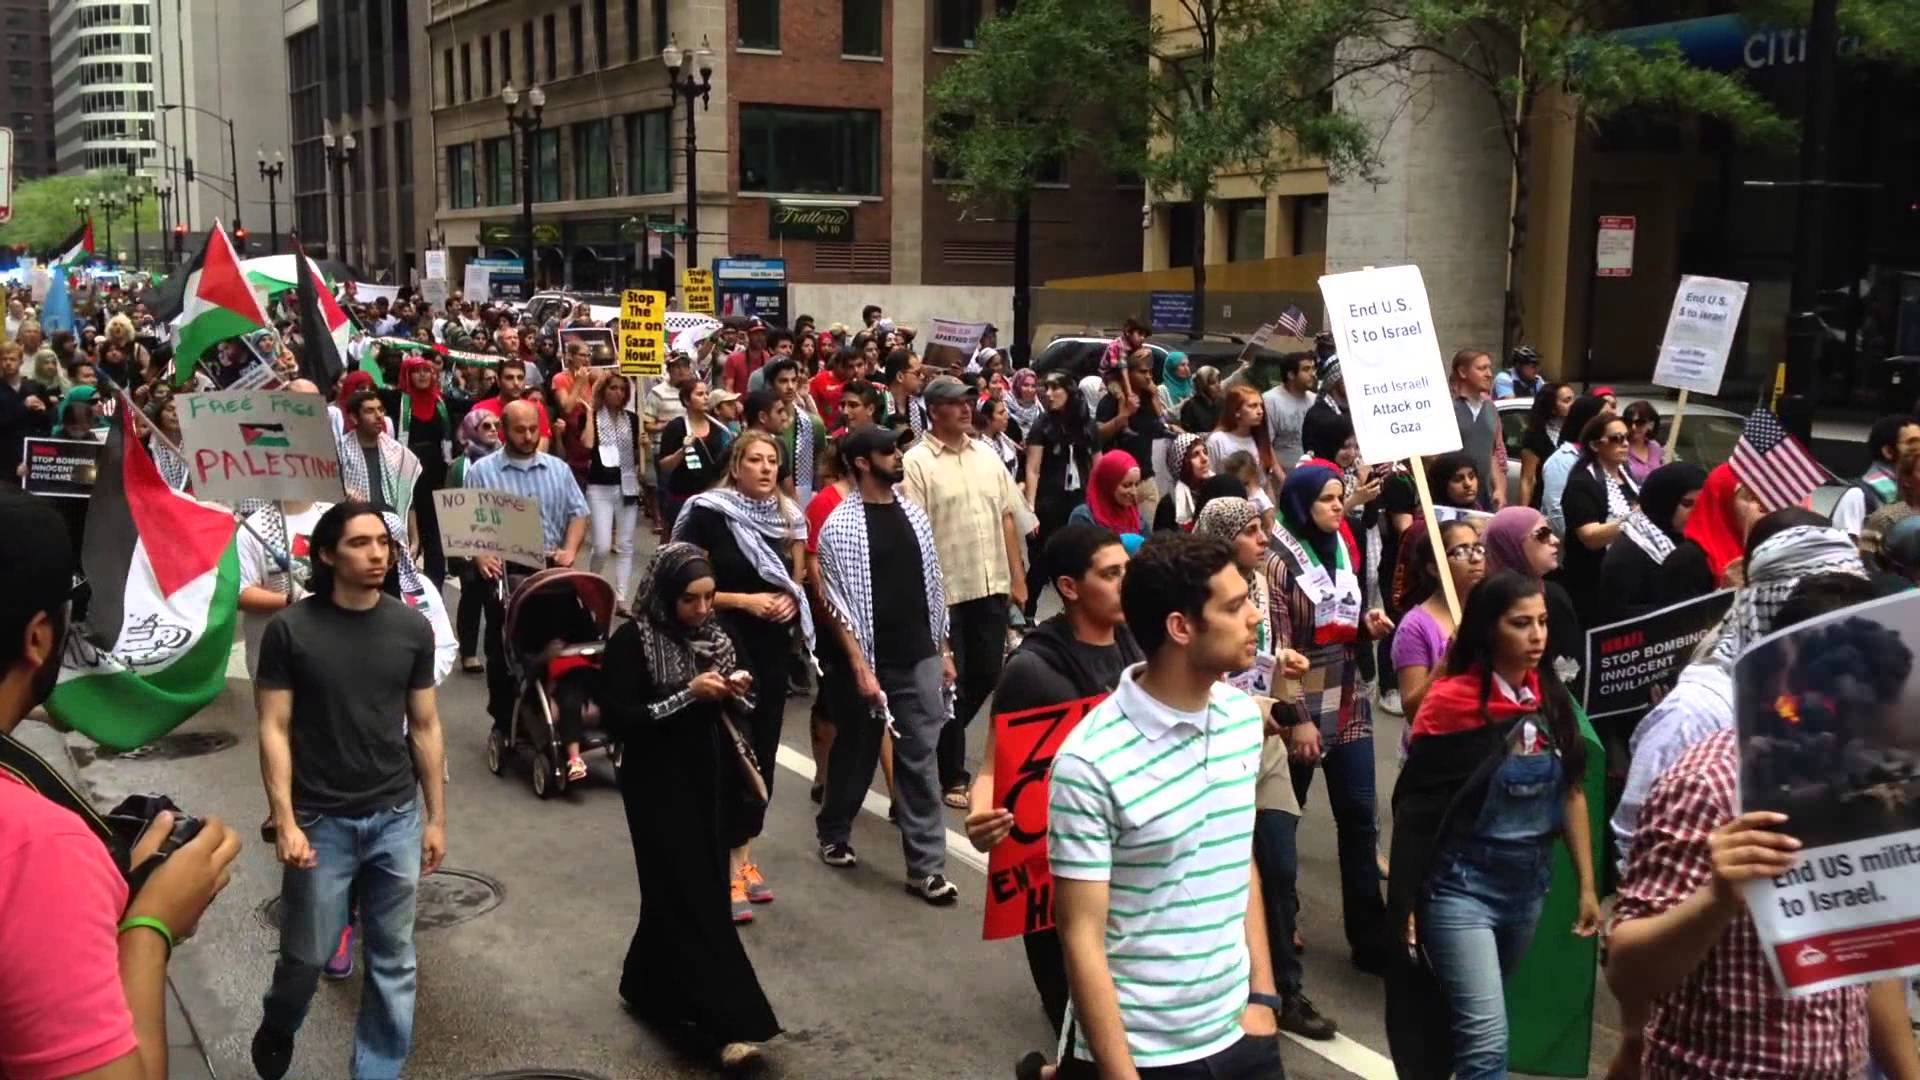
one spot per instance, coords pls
(1309, 224)
(809, 151)
(649, 156)
(447, 64)
(759, 24)
(500, 171)
(1246, 229)
(466, 71)
(486, 69)
(632, 10)
(860, 27)
(377, 146)
(506, 57)
(955, 22)
(526, 53)
(592, 160)
(546, 166)
(461, 192)
(599, 33)
(402, 154)
(549, 31)
(577, 38)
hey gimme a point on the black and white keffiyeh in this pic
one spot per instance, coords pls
(615, 430)
(1773, 572)
(173, 468)
(399, 471)
(803, 434)
(1645, 535)
(760, 527)
(846, 570)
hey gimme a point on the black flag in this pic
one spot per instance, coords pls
(319, 357)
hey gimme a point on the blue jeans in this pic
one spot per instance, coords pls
(1350, 788)
(1475, 925)
(381, 851)
(1277, 856)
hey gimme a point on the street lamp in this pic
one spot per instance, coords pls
(233, 159)
(271, 174)
(80, 207)
(527, 122)
(108, 204)
(339, 156)
(136, 194)
(164, 192)
(680, 80)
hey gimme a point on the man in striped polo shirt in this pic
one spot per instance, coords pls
(1150, 833)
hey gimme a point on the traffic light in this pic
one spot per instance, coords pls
(240, 238)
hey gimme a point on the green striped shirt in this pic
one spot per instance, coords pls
(1160, 805)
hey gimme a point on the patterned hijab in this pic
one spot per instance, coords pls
(676, 652)
(1225, 518)
(1772, 572)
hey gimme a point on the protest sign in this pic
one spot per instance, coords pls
(259, 375)
(696, 291)
(436, 264)
(1700, 332)
(1019, 878)
(61, 468)
(950, 343)
(643, 332)
(1828, 730)
(1390, 359)
(598, 339)
(1627, 659)
(434, 291)
(260, 444)
(478, 279)
(476, 522)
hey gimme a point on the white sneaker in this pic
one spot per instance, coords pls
(1390, 702)
(739, 1055)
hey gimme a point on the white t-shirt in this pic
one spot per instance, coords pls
(257, 567)
(1223, 444)
(1286, 423)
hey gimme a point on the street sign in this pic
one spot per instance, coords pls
(1613, 246)
(667, 228)
(643, 332)
(1170, 310)
(6, 174)
(696, 291)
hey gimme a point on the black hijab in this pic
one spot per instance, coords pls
(1660, 496)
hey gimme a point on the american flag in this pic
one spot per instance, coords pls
(1772, 463)
(1294, 321)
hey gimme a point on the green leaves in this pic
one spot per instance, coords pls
(43, 212)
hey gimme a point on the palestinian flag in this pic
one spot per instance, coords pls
(324, 327)
(216, 304)
(76, 248)
(164, 576)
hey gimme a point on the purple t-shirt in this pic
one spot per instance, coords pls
(1419, 642)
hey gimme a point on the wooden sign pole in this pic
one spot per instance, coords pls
(1673, 434)
(1419, 467)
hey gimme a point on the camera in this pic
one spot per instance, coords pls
(129, 822)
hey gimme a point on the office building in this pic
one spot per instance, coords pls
(26, 98)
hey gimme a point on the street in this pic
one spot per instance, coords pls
(522, 936)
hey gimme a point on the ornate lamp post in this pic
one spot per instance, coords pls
(681, 81)
(339, 156)
(527, 122)
(271, 174)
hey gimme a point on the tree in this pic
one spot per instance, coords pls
(43, 213)
(1236, 86)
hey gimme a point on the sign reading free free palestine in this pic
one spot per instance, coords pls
(260, 444)
(1390, 358)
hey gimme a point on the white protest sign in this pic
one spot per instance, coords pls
(1390, 358)
(367, 294)
(39, 280)
(964, 336)
(437, 263)
(434, 291)
(260, 444)
(1700, 330)
(476, 522)
(479, 279)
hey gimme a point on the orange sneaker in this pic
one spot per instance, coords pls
(758, 891)
(742, 910)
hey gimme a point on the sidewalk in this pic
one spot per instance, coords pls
(187, 1058)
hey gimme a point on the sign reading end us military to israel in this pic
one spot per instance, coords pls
(643, 332)
(1390, 360)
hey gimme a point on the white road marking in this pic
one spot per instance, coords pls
(1340, 1050)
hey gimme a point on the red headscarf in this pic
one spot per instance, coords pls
(426, 403)
(350, 384)
(1452, 705)
(1111, 468)
(1713, 524)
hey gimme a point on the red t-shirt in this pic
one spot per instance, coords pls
(827, 392)
(740, 367)
(493, 405)
(824, 503)
(62, 1010)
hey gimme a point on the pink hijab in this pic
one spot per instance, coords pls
(1506, 539)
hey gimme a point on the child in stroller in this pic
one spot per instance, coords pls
(558, 623)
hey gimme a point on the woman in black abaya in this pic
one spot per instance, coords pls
(665, 689)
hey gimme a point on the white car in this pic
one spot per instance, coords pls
(1707, 438)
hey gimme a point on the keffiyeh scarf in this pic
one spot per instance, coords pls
(173, 468)
(846, 570)
(804, 426)
(399, 471)
(1647, 536)
(615, 428)
(1778, 566)
(1620, 492)
(758, 525)
(1183, 500)
(674, 652)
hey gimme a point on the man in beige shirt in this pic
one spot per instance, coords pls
(971, 500)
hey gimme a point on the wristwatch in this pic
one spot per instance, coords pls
(1271, 1001)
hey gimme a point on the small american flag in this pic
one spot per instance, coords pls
(1772, 463)
(1294, 321)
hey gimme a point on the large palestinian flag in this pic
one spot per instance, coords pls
(216, 304)
(164, 577)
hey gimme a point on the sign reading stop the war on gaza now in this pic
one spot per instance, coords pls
(1390, 360)
(643, 332)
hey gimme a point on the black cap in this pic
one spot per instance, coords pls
(867, 440)
(36, 559)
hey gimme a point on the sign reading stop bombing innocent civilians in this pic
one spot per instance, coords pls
(1700, 332)
(1390, 359)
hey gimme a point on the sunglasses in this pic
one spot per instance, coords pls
(1615, 439)
(1467, 552)
(1544, 534)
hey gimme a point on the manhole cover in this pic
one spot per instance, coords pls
(540, 1074)
(181, 744)
(445, 899)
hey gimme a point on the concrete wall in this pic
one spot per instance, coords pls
(913, 305)
(236, 66)
(1443, 204)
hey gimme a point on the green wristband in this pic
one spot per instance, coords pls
(152, 924)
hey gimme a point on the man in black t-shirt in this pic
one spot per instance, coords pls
(348, 727)
(880, 575)
(1130, 420)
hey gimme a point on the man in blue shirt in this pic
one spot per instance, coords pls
(1522, 379)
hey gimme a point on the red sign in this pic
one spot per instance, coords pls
(1613, 246)
(1850, 954)
(1019, 878)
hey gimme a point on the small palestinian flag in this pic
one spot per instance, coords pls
(76, 248)
(217, 304)
(266, 435)
(164, 577)
(324, 327)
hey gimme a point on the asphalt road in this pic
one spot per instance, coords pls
(867, 980)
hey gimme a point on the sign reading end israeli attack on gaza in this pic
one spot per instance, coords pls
(260, 444)
(1390, 360)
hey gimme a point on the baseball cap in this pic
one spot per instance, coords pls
(946, 390)
(867, 440)
(755, 323)
(720, 396)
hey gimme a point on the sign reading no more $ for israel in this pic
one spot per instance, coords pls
(476, 522)
(1390, 359)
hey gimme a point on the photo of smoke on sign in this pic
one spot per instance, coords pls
(1829, 731)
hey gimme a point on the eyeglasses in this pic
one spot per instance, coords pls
(1614, 439)
(1467, 552)
(1544, 534)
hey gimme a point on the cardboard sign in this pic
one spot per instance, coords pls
(435, 292)
(1627, 659)
(61, 468)
(1613, 247)
(1700, 332)
(1019, 878)
(643, 332)
(696, 291)
(1826, 728)
(260, 444)
(1390, 357)
(476, 522)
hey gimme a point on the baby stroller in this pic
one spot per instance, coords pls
(555, 630)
